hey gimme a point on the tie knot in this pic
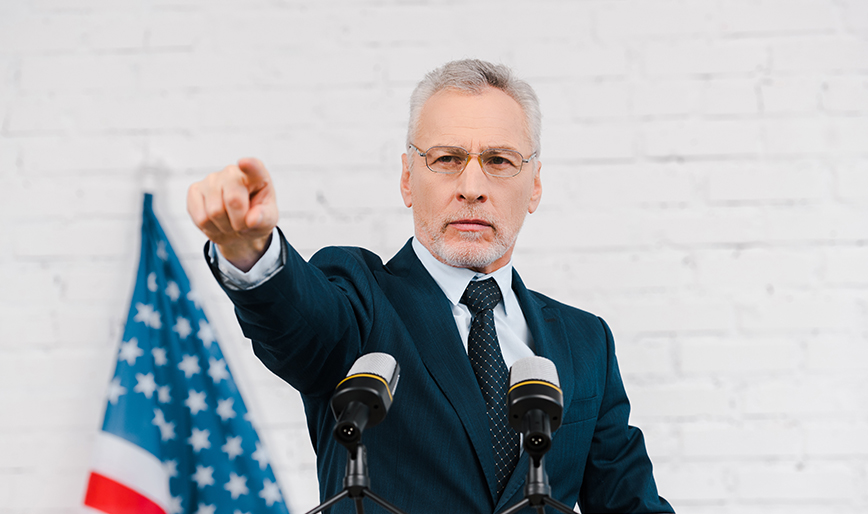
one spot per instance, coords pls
(481, 295)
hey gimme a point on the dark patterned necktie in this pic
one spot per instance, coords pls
(492, 374)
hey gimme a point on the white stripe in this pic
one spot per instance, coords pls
(129, 464)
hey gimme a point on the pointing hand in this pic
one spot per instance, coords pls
(236, 208)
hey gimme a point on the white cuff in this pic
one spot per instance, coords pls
(265, 267)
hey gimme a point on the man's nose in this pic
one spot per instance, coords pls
(473, 182)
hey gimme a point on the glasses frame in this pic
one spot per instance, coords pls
(467, 160)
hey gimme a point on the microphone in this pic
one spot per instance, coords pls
(535, 403)
(363, 398)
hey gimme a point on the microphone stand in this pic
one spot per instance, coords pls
(357, 485)
(537, 492)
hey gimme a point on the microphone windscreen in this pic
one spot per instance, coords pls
(381, 364)
(534, 368)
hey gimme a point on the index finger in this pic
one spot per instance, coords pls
(256, 175)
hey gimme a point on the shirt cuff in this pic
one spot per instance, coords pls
(265, 268)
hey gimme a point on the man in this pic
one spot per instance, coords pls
(471, 174)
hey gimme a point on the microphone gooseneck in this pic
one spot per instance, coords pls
(535, 408)
(361, 400)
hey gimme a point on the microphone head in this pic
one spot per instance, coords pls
(363, 398)
(380, 364)
(534, 385)
(534, 368)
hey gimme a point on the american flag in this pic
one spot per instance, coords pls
(176, 437)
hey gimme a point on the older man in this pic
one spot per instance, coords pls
(449, 307)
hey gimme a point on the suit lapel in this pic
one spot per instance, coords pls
(549, 337)
(427, 314)
(550, 341)
(428, 317)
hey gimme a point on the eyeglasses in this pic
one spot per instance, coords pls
(451, 160)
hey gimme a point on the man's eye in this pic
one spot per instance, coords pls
(449, 159)
(501, 160)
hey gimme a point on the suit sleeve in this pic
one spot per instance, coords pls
(618, 473)
(309, 321)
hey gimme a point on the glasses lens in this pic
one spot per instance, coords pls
(501, 163)
(446, 159)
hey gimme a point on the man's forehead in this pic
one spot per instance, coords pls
(476, 144)
(489, 119)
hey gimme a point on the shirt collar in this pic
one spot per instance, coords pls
(453, 281)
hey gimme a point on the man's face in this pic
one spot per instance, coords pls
(470, 220)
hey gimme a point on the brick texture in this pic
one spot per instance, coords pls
(705, 191)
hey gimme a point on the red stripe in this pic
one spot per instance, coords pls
(112, 497)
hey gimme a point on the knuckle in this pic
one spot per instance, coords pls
(214, 180)
(214, 212)
(234, 200)
(199, 218)
(231, 172)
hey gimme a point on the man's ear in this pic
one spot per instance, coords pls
(406, 192)
(536, 193)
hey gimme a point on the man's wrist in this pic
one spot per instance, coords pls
(246, 254)
(267, 266)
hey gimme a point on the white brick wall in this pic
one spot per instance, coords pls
(706, 191)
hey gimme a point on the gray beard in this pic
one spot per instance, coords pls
(467, 255)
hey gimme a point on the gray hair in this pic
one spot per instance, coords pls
(474, 76)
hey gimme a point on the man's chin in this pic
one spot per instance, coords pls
(468, 254)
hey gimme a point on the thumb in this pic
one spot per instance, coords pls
(254, 216)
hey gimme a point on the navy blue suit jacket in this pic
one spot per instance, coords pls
(432, 454)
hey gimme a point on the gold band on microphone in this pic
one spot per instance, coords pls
(540, 382)
(378, 377)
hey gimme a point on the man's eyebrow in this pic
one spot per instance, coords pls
(502, 147)
(483, 148)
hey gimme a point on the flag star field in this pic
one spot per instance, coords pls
(176, 437)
